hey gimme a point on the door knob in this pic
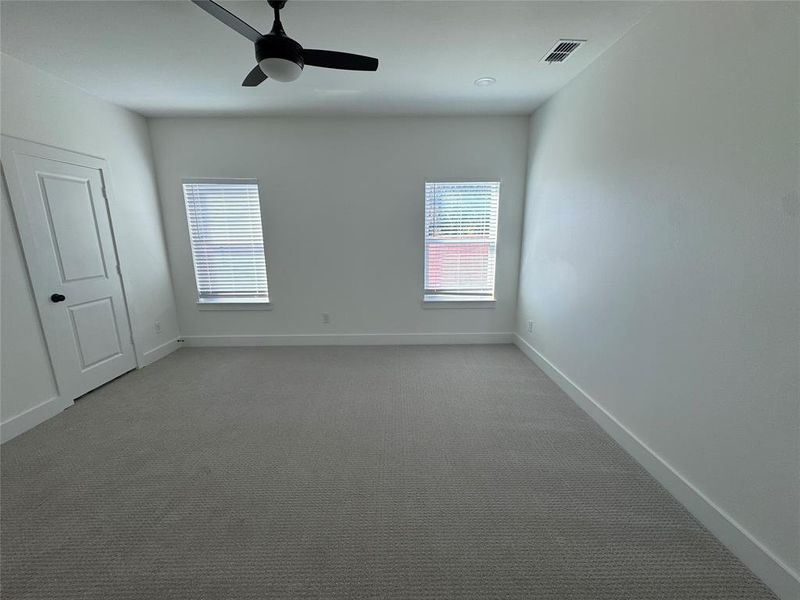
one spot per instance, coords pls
(58, 297)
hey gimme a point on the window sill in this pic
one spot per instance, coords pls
(233, 305)
(447, 301)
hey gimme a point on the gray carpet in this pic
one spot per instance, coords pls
(360, 472)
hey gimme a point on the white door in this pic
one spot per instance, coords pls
(59, 202)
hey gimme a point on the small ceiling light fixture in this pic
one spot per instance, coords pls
(485, 81)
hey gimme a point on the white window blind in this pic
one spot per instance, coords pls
(227, 242)
(460, 240)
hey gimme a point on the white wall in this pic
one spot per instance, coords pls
(41, 108)
(660, 258)
(342, 205)
(26, 379)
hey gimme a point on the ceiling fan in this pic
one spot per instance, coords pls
(279, 57)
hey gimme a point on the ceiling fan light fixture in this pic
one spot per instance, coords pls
(278, 56)
(280, 69)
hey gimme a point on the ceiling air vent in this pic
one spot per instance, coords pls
(562, 50)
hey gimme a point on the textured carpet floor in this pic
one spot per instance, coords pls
(359, 472)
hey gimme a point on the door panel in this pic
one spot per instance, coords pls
(62, 216)
(94, 326)
(73, 224)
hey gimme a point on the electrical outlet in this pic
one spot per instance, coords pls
(326, 318)
(157, 326)
(530, 326)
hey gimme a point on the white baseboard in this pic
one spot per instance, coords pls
(159, 352)
(32, 417)
(49, 408)
(779, 576)
(356, 339)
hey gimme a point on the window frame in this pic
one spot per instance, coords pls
(445, 300)
(222, 303)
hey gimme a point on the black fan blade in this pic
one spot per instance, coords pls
(230, 19)
(339, 60)
(254, 77)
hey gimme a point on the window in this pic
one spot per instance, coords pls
(227, 243)
(460, 240)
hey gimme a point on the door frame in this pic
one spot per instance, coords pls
(10, 147)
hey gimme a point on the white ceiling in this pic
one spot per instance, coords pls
(171, 58)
